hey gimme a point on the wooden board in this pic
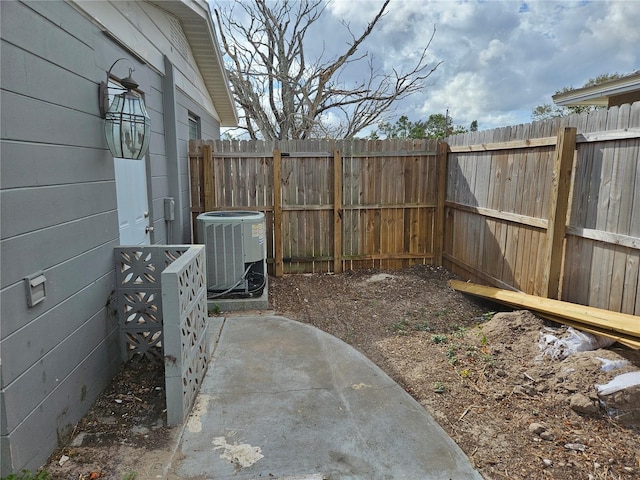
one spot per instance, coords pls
(604, 321)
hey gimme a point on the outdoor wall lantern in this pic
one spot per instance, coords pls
(127, 125)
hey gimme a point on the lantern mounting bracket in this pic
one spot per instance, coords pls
(103, 89)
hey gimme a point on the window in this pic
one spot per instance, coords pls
(194, 127)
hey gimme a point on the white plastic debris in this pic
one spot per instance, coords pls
(621, 382)
(63, 459)
(575, 341)
(576, 447)
(380, 277)
(608, 365)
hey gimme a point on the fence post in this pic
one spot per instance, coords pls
(277, 214)
(195, 179)
(337, 211)
(441, 169)
(207, 159)
(558, 207)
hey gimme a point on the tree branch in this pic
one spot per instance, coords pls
(282, 95)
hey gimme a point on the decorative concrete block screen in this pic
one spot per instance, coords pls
(186, 346)
(162, 309)
(138, 291)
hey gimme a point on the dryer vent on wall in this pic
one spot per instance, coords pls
(236, 252)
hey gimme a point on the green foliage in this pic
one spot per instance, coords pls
(403, 128)
(605, 77)
(486, 316)
(451, 354)
(400, 327)
(438, 387)
(215, 310)
(439, 338)
(348, 337)
(489, 359)
(441, 313)
(437, 126)
(459, 331)
(422, 326)
(472, 351)
(547, 111)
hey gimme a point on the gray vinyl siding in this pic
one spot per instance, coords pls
(209, 129)
(59, 215)
(29, 164)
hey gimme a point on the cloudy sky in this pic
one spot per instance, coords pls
(500, 58)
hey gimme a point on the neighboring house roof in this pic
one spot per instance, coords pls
(199, 29)
(613, 92)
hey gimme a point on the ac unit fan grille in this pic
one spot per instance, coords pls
(225, 258)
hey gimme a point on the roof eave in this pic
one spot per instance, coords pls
(199, 29)
(599, 94)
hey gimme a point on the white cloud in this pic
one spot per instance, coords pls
(495, 51)
(465, 97)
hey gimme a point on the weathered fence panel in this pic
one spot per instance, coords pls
(333, 204)
(505, 223)
(307, 196)
(603, 241)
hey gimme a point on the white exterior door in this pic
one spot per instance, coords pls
(133, 205)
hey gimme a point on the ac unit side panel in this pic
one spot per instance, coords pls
(253, 241)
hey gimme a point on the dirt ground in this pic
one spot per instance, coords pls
(516, 413)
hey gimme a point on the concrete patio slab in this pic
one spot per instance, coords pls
(284, 400)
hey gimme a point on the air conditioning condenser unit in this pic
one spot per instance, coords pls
(236, 252)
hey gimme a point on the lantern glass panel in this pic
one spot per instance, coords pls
(127, 126)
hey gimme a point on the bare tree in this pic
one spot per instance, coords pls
(284, 95)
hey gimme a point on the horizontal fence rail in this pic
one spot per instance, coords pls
(549, 208)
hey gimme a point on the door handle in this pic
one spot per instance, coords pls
(148, 229)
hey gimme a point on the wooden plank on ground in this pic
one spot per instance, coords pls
(605, 321)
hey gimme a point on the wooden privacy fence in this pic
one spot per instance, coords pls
(328, 204)
(550, 209)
